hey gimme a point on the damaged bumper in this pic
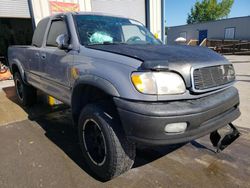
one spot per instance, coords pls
(145, 122)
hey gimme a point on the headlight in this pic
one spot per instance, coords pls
(229, 73)
(159, 83)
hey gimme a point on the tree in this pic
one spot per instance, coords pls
(209, 10)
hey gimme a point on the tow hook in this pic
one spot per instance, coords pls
(219, 142)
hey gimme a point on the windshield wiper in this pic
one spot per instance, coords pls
(107, 43)
(111, 43)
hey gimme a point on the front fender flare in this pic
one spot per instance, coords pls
(97, 82)
(88, 80)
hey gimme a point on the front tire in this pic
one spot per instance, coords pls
(26, 94)
(105, 147)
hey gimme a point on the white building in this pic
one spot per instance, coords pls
(18, 18)
(225, 29)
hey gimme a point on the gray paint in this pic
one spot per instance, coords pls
(216, 29)
(174, 58)
(108, 71)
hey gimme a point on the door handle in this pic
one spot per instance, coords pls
(43, 56)
(37, 54)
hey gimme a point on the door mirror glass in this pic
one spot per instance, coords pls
(62, 41)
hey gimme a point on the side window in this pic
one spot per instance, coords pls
(38, 35)
(229, 33)
(183, 35)
(57, 28)
(132, 31)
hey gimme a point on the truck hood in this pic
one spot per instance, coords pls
(177, 58)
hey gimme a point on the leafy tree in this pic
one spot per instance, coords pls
(209, 10)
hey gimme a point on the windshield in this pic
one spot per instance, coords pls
(93, 29)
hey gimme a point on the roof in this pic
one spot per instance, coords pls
(87, 13)
(90, 13)
(97, 14)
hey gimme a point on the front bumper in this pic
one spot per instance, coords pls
(144, 122)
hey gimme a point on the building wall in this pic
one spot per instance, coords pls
(216, 29)
(135, 9)
(128, 8)
(41, 8)
(155, 17)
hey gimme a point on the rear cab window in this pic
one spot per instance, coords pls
(38, 35)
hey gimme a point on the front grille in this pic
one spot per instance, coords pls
(208, 78)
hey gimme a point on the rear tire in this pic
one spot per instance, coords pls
(105, 147)
(26, 94)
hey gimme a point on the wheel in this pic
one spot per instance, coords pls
(105, 147)
(26, 94)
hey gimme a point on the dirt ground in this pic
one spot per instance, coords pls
(39, 149)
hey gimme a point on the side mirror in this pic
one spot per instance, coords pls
(62, 41)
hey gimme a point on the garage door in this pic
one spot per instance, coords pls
(14, 9)
(128, 8)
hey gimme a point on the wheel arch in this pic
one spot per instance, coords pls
(89, 89)
(17, 67)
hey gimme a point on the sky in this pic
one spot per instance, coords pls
(176, 11)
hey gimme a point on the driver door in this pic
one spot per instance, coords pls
(56, 63)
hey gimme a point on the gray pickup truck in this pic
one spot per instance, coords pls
(124, 87)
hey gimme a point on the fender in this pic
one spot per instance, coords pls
(90, 80)
(97, 82)
(20, 69)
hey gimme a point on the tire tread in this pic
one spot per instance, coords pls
(124, 151)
